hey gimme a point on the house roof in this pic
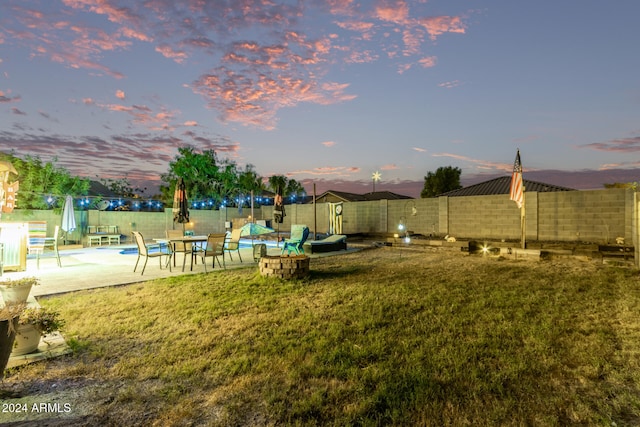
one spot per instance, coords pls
(385, 195)
(97, 188)
(502, 185)
(353, 197)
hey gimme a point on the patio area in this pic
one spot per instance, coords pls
(102, 266)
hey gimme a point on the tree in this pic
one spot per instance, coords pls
(44, 185)
(122, 187)
(278, 184)
(201, 172)
(632, 185)
(443, 180)
(294, 189)
(248, 181)
(284, 186)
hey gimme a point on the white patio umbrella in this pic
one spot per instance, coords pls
(68, 217)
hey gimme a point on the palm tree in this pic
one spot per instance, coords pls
(278, 184)
(294, 189)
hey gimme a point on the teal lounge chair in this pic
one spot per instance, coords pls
(299, 234)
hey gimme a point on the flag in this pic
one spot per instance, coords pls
(517, 186)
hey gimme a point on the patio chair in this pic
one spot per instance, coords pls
(154, 250)
(37, 240)
(233, 244)
(214, 249)
(51, 243)
(182, 247)
(299, 234)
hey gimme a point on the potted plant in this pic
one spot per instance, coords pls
(9, 316)
(17, 291)
(33, 324)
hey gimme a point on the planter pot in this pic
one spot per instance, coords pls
(27, 340)
(15, 294)
(7, 336)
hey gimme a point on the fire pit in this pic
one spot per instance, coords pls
(284, 267)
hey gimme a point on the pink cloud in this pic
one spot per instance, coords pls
(449, 85)
(361, 57)
(358, 26)
(141, 114)
(418, 149)
(480, 163)
(619, 165)
(396, 11)
(341, 7)
(329, 143)
(621, 145)
(168, 52)
(428, 62)
(403, 67)
(389, 167)
(253, 98)
(266, 56)
(6, 99)
(342, 171)
(412, 42)
(438, 25)
(120, 94)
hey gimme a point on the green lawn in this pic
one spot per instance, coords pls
(381, 337)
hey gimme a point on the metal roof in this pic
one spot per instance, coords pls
(353, 197)
(502, 185)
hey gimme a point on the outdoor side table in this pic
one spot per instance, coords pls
(259, 250)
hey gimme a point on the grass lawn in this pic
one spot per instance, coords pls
(380, 337)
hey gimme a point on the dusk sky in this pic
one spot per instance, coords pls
(326, 91)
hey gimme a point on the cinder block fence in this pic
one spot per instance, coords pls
(599, 216)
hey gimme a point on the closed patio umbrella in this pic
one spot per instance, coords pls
(180, 204)
(68, 217)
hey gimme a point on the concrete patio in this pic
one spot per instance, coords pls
(102, 266)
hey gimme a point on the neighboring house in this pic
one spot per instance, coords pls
(502, 185)
(332, 196)
(99, 189)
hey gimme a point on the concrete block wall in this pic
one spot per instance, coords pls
(595, 216)
(426, 220)
(483, 217)
(52, 217)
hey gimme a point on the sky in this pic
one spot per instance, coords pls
(326, 91)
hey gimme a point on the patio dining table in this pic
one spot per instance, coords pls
(195, 240)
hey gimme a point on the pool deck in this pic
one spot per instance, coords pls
(104, 266)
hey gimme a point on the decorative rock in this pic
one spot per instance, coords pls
(284, 267)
